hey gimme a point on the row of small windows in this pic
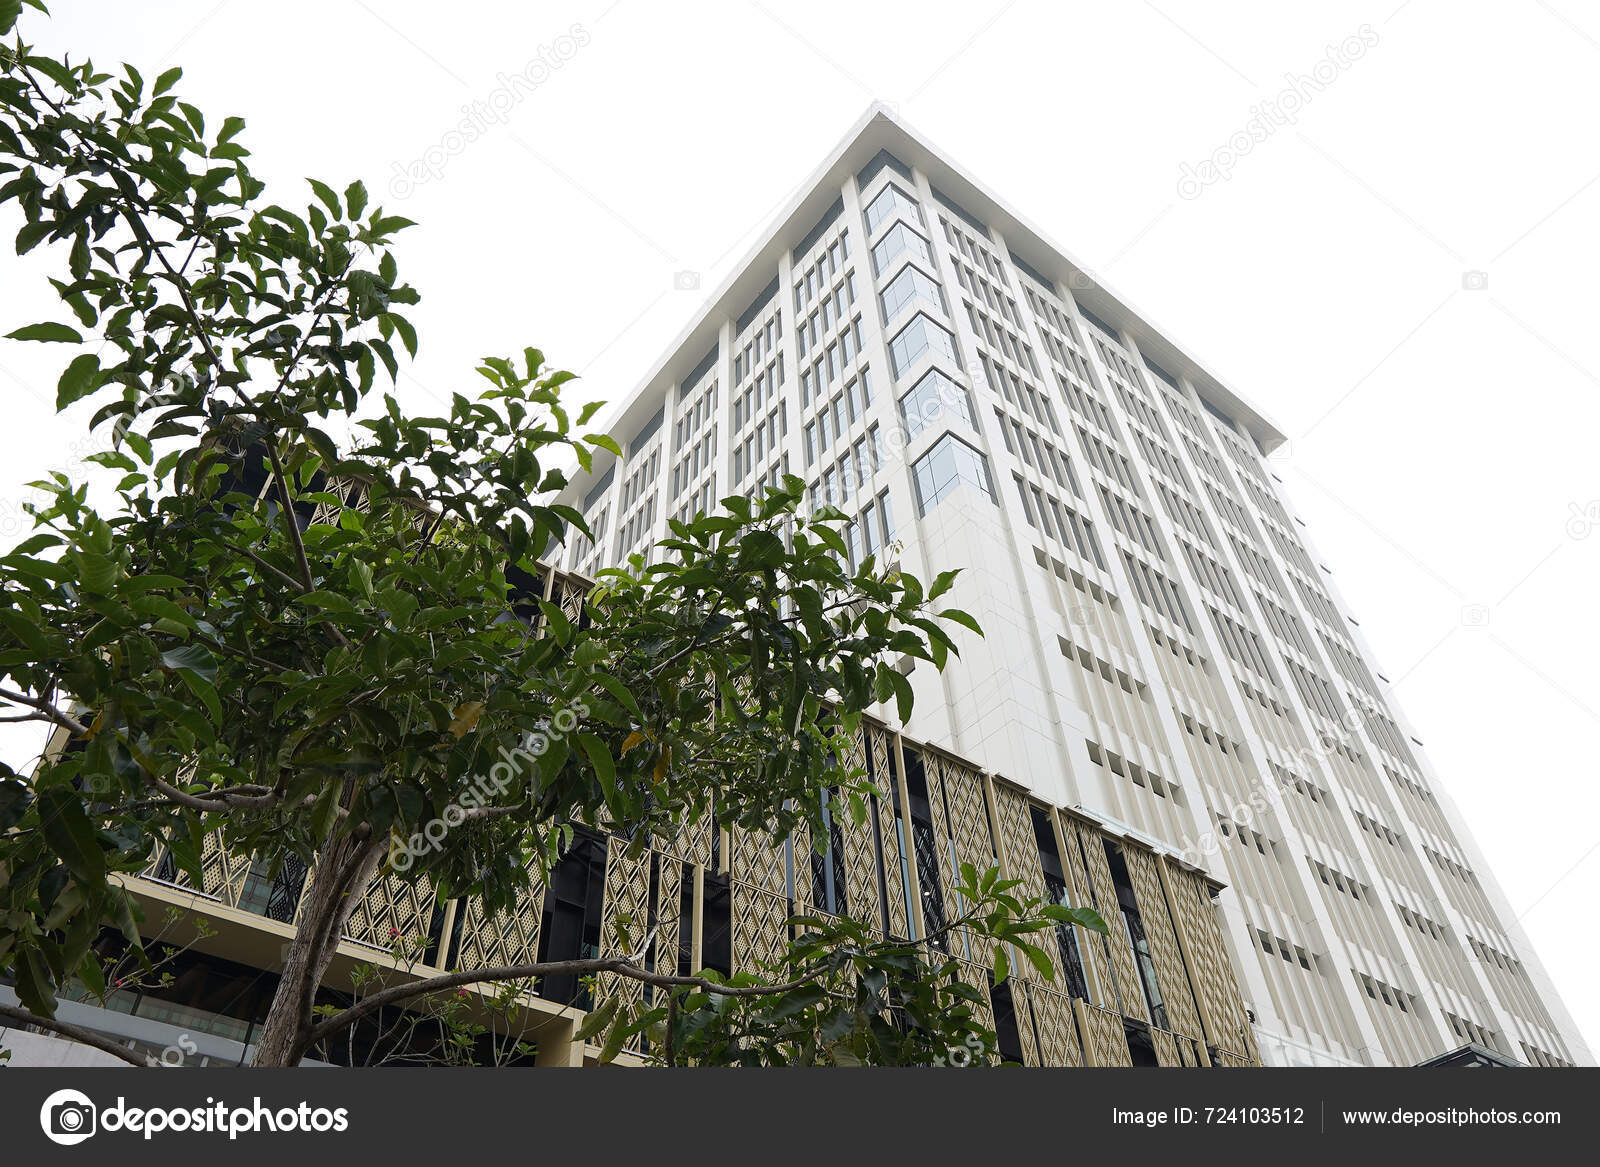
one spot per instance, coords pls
(1142, 411)
(765, 440)
(1069, 528)
(1211, 574)
(832, 310)
(1376, 829)
(836, 416)
(1415, 788)
(747, 405)
(1314, 691)
(819, 276)
(1019, 393)
(692, 418)
(1417, 922)
(871, 532)
(1160, 459)
(759, 349)
(686, 470)
(1001, 339)
(1107, 671)
(1037, 453)
(1157, 592)
(1111, 463)
(642, 477)
(980, 288)
(1243, 645)
(1388, 994)
(1137, 774)
(1334, 879)
(1489, 954)
(831, 363)
(1246, 836)
(852, 471)
(1216, 739)
(1285, 624)
(1470, 1030)
(1130, 519)
(1279, 947)
(1304, 786)
(1445, 863)
(1087, 405)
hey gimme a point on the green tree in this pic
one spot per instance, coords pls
(233, 650)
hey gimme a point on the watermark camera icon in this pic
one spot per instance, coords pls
(686, 281)
(1475, 281)
(1475, 615)
(67, 1117)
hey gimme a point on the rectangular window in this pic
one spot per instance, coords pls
(916, 340)
(933, 397)
(900, 240)
(950, 463)
(911, 286)
(890, 202)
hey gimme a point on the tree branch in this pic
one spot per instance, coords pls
(51, 713)
(620, 965)
(76, 1033)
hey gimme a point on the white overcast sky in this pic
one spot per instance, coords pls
(1442, 435)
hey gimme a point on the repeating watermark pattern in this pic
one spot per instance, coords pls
(484, 789)
(1476, 615)
(685, 281)
(483, 115)
(962, 1055)
(1583, 519)
(1475, 281)
(69, 1117)
(1283, 109)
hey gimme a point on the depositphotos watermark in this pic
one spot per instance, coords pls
(485, 788)
(1267, 117)
(69, 1117)
(489, 111)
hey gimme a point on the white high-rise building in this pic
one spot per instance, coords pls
(1163, 648)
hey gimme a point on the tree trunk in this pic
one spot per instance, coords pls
(340, 880)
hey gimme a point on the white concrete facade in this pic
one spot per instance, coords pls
(1162, 648)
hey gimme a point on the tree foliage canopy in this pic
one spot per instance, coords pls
(305, 621)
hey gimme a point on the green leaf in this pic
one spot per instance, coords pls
(71, 835)
(355, 198)
(597, 1020)
(192, 658)
(166, 81)
(599, 757)
(1002, 964)
(46, 331)
(82, 376)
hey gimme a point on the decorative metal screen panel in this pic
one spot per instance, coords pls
(627, 906)
(1129, 995)
(1053, 1024)
(960, 820)
(1230, 1028)
(1019, 859)
(1104, 1037)
(760, 929)
(1166, 1047)
(757, 858)
(492, 939)
(394, 912)
(1176, 991)
(880, 749)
